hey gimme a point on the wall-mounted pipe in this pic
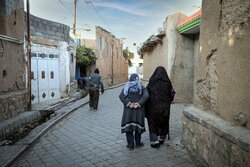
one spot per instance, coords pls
(10, 39)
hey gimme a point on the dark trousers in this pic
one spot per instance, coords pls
(93, 98)
(133, 136)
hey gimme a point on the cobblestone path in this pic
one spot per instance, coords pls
(93, 138)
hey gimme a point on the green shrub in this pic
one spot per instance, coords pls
(85, 56)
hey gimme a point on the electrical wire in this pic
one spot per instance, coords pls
(77, 18)
(89, 2)
(66, 8)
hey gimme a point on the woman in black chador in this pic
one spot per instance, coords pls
(161, 95)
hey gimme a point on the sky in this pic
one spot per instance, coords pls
(134, 20)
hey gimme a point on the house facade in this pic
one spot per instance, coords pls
(53, 60)
(110, 61)
(113, 66)
(174, 51)
(52, 66)
(14, 95)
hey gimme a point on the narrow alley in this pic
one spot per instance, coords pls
(93, 138)
(56, 55)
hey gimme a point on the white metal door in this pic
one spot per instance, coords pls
(34, 79)
(43, 77)
(53, 70)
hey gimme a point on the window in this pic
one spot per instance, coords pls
(72, 57)
(100, 43)
(117, 54)
(33, 55)
(53, 56)
(106, 47)
(42, 55)
(111, 50)
(78, 42)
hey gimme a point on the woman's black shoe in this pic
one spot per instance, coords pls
(130, 148)
(161, 141)
(157, 145)
(139, 145)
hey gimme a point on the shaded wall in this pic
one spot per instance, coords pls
(182, 73)
(196, 56)
(176, 54)
(13, 79)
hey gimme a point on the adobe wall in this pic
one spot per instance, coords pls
(182, 71)
(176, 54)
(216, 130)
(105, 58)
(13, 79)
(223, 82)
(163, 54)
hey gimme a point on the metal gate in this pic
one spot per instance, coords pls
(44, 77)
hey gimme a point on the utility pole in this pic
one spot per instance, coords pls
(74, 24)
(29, 53)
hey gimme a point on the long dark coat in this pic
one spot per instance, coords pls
(133, 119)
(158, 104)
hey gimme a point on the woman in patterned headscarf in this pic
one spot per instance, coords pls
(133, 96)
(161, 95)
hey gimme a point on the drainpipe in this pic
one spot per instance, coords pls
(29, 53)
(112, 69)
(74, 24)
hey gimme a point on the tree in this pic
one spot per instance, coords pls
(85, 56)
(128, 56)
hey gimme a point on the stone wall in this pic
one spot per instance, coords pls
(13, 103)
(213, 141)
(13, 79)
(13, 125)
(223, 82)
